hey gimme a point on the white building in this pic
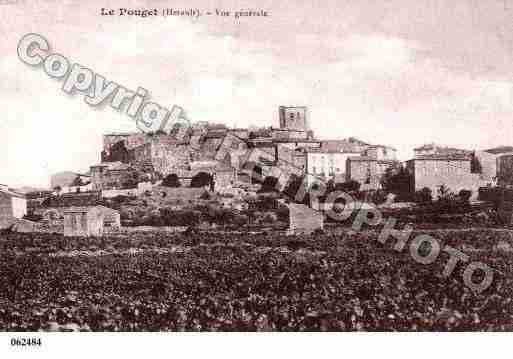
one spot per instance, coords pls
(12, 206)
(326, 164)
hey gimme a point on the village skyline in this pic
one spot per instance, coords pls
(398, 73)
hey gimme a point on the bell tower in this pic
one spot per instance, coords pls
(294, 118)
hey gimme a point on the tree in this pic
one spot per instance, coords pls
(201, 179)
(269, 184)
(465, 195)
(396, 181)
(423, 196)
(77, 182)
(172, 181)
(475, 165)
(131, 180)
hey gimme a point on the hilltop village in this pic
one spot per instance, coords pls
(221, 161)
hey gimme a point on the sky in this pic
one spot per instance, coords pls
(400, 73)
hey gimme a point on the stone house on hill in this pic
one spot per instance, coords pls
(452, 170)
(90, 221)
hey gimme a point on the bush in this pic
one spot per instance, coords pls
(465, 195)
(202, 179)
(378, 197)
(205, 196)
(269, 184)
(172, 181)
(397, 181)
(423, 196)
(349, 186)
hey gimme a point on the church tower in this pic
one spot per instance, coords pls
(294, 118)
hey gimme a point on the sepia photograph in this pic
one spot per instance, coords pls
(243, 167)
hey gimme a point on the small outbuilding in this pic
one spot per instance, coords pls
(304, 220)
(12, 206)
(90, 221)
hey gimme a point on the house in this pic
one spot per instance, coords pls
(90, 221)
(12, 206)
(381, 152)
(451, 170)
(505, 170)
(432, 149)
(303, 219)
(364, 170)
(326, 164)
(488, 163)
(68, 179)
(109, 175)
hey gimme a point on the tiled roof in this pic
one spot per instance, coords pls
(361, 158)
(73, 200)
(12, 193)
(500, 149)
(349, 145)
(444, 151)
(113, 166)
(446, 157)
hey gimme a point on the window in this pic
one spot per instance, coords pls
(313, 170)
(291, 116)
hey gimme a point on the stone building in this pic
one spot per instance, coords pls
(432, 149)
(68, 179)
(381, 153)
(505, 170)
(12, 206)
(326, 164)
(452, 170)
(294, 118)
(489, 163)
(117, 145)
(303, 219)
(346, 145)
(90, 221)
(364, 170)
(110, 175)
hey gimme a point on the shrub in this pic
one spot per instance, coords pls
(269, 184)
(201, 179)
(378, 197)
(172, 181)
(465, 195)
(349, 186)
(205, 196)
(397, 181)
(423, 196)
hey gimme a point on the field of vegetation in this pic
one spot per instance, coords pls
(232, 281)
